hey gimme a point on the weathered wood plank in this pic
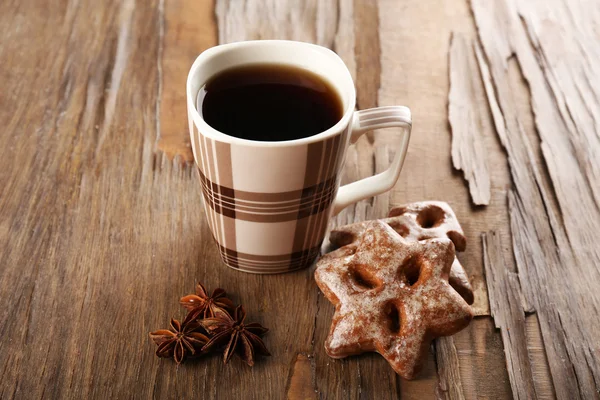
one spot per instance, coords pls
(505, 303)
(428, 174)
(71, 199)
(186, 29)
(238, 21)
(448, 369)
(301, 383)
(100, 235)
(367, 52)
(544, 389)
(105, 235)
(466, 108)
(481, 359)
(312, 21)
(260, 294)
(553, 245)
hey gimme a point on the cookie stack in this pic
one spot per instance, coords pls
(396, 285)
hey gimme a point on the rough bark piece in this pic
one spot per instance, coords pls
(554, 239)
(464, 110)
(509, 317)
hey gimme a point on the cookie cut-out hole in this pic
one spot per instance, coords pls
(400, 228)
(341, 238)
(459, 240)
(430, 217)
(394, 212)
(411, 270)
(393, 318)
(362, 278)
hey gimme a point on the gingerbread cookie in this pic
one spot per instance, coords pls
(419, 221)
(391, 296)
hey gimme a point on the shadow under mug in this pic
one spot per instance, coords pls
(268, 203)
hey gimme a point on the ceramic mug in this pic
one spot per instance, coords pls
(268, 203)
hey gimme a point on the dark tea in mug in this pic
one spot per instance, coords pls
(269, 103)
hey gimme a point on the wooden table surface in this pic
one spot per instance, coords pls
(102, 227)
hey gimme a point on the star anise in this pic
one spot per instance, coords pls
(238, 337)
(201, 305)
(180, 340)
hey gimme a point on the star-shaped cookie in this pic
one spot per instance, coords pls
(419, 221)
(391, 296)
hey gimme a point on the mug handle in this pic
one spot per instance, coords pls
(364, 121)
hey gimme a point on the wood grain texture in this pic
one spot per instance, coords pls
(311, 21)
(542, 380)
(554, 208)
(100, 236)
(186, 29)
(101, 232)
(505, 303)
(448, 369)
(428, 173)
(301, 383)
(466, 108)
(481, 359)
(362, 160)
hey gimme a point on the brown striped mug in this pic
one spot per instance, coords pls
(268, 203)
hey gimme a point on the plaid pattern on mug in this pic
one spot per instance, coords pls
(268, 231)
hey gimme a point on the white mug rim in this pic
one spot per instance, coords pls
(213, 133)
